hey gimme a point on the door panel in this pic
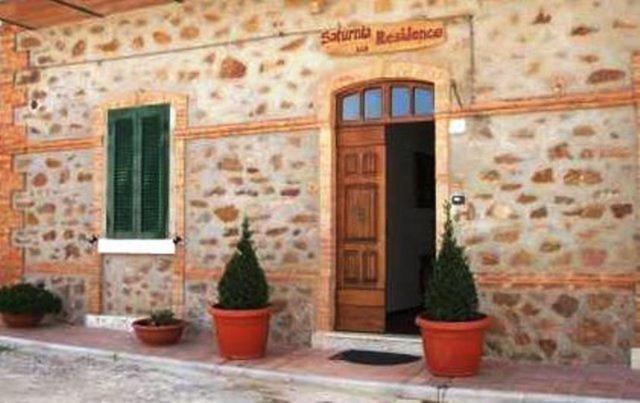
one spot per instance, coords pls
(355, 318)
(360, 212)
(361, 226)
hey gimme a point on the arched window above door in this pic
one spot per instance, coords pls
(385, 102)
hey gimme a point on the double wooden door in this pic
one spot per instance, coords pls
(361, 227)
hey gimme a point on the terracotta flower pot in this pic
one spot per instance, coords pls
(452, 349)
(241, 334)
(22, 319)
(158, 335)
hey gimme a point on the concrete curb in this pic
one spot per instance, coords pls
(441, 393)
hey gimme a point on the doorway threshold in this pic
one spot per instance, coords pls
(393, 343)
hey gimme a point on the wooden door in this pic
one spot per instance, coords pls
(361, 226)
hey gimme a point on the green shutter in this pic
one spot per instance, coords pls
(154, 172)
(121, 207)
(138, 180)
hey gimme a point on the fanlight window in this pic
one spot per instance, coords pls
(373, 103)
(400, 102)
(422, 101)
(351, 107)
(395, 101)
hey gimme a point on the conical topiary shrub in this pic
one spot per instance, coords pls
(243, 284)
(242, 314)
(451, 327)
(451, 294)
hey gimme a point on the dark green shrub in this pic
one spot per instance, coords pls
(162, 317)
(29, 299)
(243, 284)
(451, 294)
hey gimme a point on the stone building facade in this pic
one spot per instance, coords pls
(546, 93)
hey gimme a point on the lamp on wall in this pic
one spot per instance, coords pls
(458, 199)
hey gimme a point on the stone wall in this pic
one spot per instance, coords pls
(57, 207)
(270, 178)
(549, 192)
(559, 325)
(276, 77)
(521, 49)
(136, 285)
(542, 47)
(551, 195)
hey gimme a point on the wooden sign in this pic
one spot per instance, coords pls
(379, 38)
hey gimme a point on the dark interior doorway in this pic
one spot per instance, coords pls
(411, 226)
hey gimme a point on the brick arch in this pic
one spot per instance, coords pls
(331, 84)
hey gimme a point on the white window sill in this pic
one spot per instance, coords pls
(137, 246)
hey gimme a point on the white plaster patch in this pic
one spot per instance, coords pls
(112, 322)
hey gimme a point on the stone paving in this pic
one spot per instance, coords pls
(33, 378)
(498, 380)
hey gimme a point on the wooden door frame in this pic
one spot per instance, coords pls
(331, 85)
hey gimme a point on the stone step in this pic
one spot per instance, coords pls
(112, 322)
(403, 344)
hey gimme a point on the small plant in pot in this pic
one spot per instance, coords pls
(242, 314)
(24, 304)
(161, 328)
(452, 329)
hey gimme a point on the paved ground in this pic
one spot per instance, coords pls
(316, 376)
(57, 378)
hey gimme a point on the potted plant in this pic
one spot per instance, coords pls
(24, 304)
(452, 329)
(161, 328)
(242, 314)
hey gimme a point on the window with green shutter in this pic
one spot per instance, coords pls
(138, 179)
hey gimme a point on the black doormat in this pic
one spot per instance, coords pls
(374, 357)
